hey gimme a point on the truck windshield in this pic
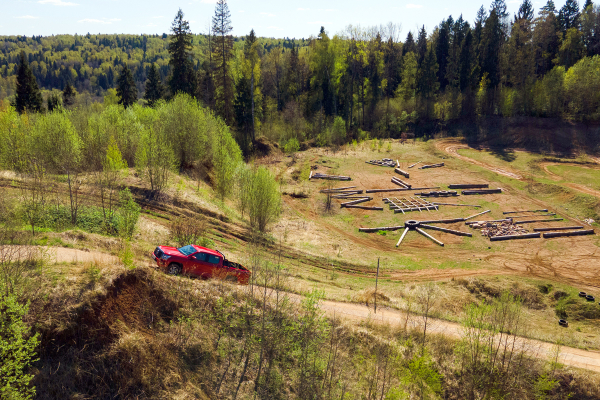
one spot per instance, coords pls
(187, 250)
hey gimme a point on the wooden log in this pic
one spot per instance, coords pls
(350, 197)
(432, 166)
(456, 205)
(485, 222)
(452, 231)
(514, 237)
(403, 173)
(402, 185)
(337, 189)
(397, 190)
(394, 179)
(477, 215)
(539, 220)
(414, 164)
(482, 191)
(348, 193)
(310, 176)
(386, 228)
(366, 208)
(565, 234)
(402, 237)
(427, 235)
(516, 212)
(353, 202)
(558, 228)
(442, 193)
(444, 221)
(469, 186)
(535, 215)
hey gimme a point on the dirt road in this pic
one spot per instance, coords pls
(569, 356)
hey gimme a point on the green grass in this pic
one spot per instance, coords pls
(581, 175)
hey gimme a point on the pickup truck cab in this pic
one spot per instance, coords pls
(199, 261)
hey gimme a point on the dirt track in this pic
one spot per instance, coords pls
(569, 356)
(452, 147)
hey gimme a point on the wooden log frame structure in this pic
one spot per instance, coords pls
(515, 237)
(408, 204)
(432, 166)
(480, 191)
(558, 228)
(420, 226)
(317, 175)
(403, 173)
(550, 235)
(469, 186)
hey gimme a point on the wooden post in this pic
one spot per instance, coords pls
(376, 281)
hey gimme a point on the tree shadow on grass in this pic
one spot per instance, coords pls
(507, 155)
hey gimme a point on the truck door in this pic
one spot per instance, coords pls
(205, 264)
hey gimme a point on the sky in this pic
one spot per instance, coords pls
(269, 18)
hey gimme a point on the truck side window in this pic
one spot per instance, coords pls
(200, 257)
(212, 259)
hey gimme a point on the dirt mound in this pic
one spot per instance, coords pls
(263, 147)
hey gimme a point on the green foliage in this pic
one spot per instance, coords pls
(17, 350)
(292, 146)
(258, 196)
(126, 89)
(128, 214)
(28, 96)
(423, 375)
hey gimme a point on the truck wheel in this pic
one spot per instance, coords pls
(174, 269)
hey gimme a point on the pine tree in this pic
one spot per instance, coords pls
(421, 45)
(252, 57)
(183, 76)
(28, 96)
(53, 102)
(442, 51)
(588, 3)
(526, 12)
(223, 54)
(126, 89)
(243, 113)
(409, 45)
(549, 7)
(154, 87)
(568, 17)
(68, 95)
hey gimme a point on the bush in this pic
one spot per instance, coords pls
(17, 350)
(128, 214)
(259, 196)
(186, 231)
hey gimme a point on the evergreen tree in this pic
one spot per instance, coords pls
(587, 4)
(491, 44)
(251, 55)
(442, 51)
(466, 63)
(409, 45)
(243, 113)
(526, 12)
(126, 89)
(154, 87)
(183, 76)
(568, 17)
(421, 45)
(68, 95)
(549, 7)
(53, 102)
(223, 54)
(28, 96)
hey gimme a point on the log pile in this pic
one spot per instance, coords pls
(442, 193)
(318, 175)
(499, 228)
(432, 166)
(386, 162)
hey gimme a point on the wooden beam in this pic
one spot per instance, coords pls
(414, 164)
(477, 215)
(402, 237)
(403, 173)
(565, 234)
(397, 190)
(452, 231)
(482, 191)
(469, 186)
(353, 202)
(516, 212)
(422, 232)
(514, 237)
(386, 228)
(366, 208)
(558, 228)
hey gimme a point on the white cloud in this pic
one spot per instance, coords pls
(57, 3)
(414, 6)
(27, 17)
(267, 14)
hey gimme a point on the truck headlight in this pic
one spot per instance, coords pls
(165, 257)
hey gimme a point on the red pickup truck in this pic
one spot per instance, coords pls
(199, 261)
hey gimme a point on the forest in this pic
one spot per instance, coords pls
(534, 64)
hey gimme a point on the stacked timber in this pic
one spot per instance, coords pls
(469, 186)
(480, 191)
(442, 193)
(432, 166)
(401, 183)
(317, 175)
(386, 162)
(498, 228)
(403, 173)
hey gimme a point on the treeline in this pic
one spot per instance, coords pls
(540, 64)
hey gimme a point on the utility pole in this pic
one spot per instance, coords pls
(376, 280)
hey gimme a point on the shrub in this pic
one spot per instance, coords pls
(128, 214)
(17, 350)
(259, 196)
(186, 231)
